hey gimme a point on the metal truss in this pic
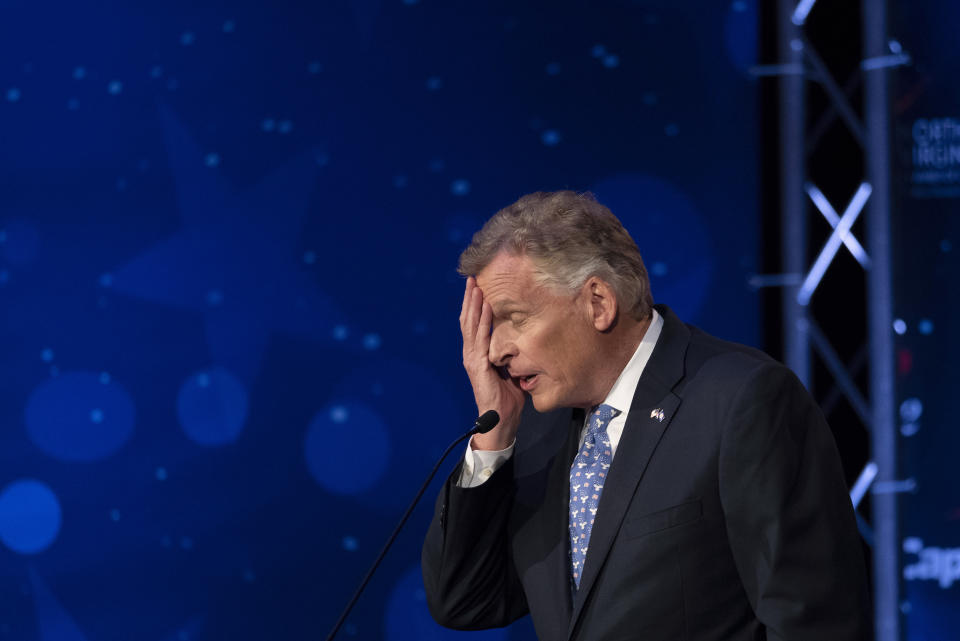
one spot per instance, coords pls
(797, 67)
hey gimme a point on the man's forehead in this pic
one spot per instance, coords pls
(507, 280)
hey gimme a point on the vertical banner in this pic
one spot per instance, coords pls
(927, 290)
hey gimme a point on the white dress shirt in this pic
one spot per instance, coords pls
(479, 465)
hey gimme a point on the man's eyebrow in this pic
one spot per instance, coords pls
(503, 307)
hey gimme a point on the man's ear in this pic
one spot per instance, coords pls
(603, 305)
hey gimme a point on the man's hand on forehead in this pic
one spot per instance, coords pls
(492, 387)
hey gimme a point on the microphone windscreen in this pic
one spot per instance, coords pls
(487, 421)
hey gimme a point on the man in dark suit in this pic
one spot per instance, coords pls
(670, 485)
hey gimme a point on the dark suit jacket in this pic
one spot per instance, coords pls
(727, 520)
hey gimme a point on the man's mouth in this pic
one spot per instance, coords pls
(527, 382)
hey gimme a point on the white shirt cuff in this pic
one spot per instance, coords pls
(479, 465)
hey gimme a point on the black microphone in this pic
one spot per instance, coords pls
(486, 422)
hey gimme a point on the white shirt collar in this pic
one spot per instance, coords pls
(621, 394)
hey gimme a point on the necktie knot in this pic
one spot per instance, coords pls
(600, 417)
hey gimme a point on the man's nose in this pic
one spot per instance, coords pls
(502, 347)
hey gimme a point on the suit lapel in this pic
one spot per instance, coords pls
(651, 411)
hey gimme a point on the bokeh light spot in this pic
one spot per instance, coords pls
(79, 73)
(460, 187)
(30, 516)
(553, 69)
(371, 342)
(13, 94)
(550, 137)
(115, 87)
(214, 297)
(212, 160)
(911, 410)
(925, 326)
(76, 417)
(229, 26)
(350, 544)
(341, 423)
(187, 38)
(212, 407)
(899, 326)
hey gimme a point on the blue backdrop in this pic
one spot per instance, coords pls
(228, 238)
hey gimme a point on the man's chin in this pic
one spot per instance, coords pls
(542, 403)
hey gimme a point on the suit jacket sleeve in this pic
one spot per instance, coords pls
(468, 571)
(788, 515)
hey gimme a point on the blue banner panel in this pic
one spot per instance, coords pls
(926, 272)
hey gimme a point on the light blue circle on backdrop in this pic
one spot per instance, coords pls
(77, 417)
(30, 516)
(672, 236)
(347, 447)
(408, 619)
(421, 412)
(212, 407)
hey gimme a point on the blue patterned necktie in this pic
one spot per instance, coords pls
(587, 475)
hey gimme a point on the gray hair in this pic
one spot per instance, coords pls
(569, 237)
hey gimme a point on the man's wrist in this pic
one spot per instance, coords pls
(492, 442)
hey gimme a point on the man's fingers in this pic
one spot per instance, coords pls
(483, 329)
(467, 288)
(473, 312)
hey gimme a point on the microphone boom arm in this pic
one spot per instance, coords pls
(482, 425)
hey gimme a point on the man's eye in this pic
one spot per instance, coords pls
(518, 320)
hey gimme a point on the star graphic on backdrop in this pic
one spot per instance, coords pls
(236, 258)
